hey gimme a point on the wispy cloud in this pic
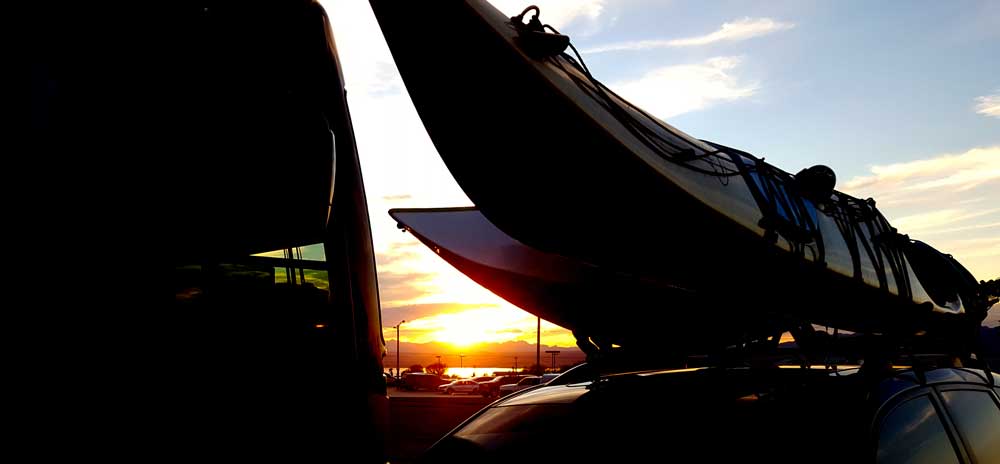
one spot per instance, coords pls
(741, 29)
(673, 90)
(960, 172)
(989, 105)
(387, 259)
(946, 200)
(557, 13)
(392, 315)
(942, 221)
(399, 288)
(399, 256)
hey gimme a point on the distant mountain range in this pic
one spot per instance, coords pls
(501, 355)
(481, 355)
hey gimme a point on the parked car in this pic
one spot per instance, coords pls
(526, 382)
(420, 381)
(492, 387)
(459, 386)
(948, 415)
(546, 378)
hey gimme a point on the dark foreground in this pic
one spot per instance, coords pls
(417, 420)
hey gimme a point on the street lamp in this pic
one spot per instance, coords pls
(515, 363)
(397, 346)
(460, 364)
(553, 353)
(538, 344)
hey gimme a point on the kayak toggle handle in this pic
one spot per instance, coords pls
(533, 39)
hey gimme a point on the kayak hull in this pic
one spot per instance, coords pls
(603, 305)
(545, 155)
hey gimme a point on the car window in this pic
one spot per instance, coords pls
(913, 433)
(977, 418)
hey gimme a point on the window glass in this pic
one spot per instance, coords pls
(913, 433)
(977, 418)
(285, 289)
(302, 274)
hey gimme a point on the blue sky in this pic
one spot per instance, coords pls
(902, 99)
(847, 84)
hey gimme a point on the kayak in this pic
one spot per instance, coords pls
(595, 303)
(561, 164)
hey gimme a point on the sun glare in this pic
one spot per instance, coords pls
(466, 328)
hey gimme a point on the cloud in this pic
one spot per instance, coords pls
(959, 172)
(417, 311)
(936, 221)
(513, 331)
(557, 13)
(400, 288)
(386, 259)
(989, 105)
(946, 200)
(741, 29)
(673, 90)
(404, 253)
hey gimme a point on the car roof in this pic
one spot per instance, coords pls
(692, 400)
(897, 382)
(904, 381)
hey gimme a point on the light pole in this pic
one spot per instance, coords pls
(397, 346)
(460, 364)
(538, 344)
(515, 364)
(553, 353)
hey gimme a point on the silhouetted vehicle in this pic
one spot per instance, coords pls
(526, 382)
(941, 416)
(209, 148)
(741, 415)
(492, 387)
(548, 377)
(415, 381)
(459, 386)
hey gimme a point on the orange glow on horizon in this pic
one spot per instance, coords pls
(479, 326)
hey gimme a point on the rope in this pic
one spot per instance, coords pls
(774, 190)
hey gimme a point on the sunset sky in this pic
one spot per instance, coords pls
(901, 99)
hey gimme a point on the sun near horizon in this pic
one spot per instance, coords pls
(469, 329)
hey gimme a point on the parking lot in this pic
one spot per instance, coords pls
(418, 419)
